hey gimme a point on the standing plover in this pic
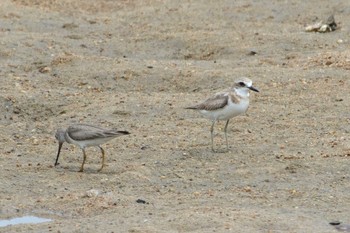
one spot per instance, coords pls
(84, 135)
(227, 104)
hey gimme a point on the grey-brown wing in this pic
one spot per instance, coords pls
(213, 103)
(81, 132)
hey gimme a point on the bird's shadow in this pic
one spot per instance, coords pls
(87, 170)
(206, 152)
(220, 151)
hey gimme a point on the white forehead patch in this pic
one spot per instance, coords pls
(247, 81)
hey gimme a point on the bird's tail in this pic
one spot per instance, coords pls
(192, 107)
(123, 132)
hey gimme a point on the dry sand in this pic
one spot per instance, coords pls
(135, 65)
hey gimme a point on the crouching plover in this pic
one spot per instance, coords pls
(226, 105)
(84, 136)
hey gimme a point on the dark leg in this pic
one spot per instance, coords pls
(212, 135)
(82, 165)
(226, 133)
(58, 153)
(103, 158)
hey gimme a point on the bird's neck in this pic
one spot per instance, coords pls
(67, 138)
(243, 93)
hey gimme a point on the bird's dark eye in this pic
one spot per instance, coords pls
(241, 84)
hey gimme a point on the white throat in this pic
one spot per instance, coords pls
(242, 92)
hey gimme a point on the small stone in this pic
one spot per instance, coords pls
(69, 26)
(45, 69)
(92, 193)
(140, 201)
(252, 53)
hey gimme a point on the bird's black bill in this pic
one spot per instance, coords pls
(58, 153)
(253, 89)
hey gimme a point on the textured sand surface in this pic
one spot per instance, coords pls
(135, 65)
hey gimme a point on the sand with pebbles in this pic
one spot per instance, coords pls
(135, 65)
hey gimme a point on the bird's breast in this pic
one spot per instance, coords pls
(232, 109)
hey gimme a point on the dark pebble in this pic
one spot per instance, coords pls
(140, 201)
(252, 53)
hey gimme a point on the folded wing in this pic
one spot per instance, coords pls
(213, 103)
(80, 132)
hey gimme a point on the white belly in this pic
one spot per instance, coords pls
(229, 111)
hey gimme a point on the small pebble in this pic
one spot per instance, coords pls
(92, 193)
(140, 201)
(252, 53)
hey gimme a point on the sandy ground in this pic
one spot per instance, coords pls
(135, 65)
